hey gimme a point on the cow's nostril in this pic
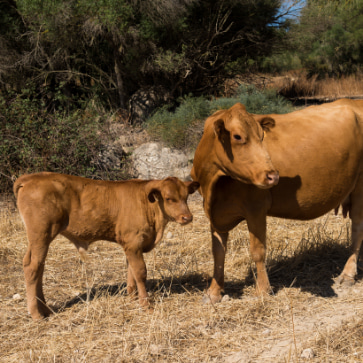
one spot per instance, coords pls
(272, 177)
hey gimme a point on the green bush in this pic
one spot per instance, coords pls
(174, 127)
(183, 128)
(33, 139)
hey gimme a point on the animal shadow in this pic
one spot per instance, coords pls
(91, 294)
(313, 269)
(188, 283)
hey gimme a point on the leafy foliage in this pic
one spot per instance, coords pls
(32, 139)
(110, 48)
(328, 38)
(183, 127)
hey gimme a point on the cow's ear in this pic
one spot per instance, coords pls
(267, 123)
(192, 186)
(219, 127)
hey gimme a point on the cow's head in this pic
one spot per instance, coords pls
(172, 195)
(239, 148)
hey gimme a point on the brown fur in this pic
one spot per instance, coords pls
(318, 153)
(131, 213)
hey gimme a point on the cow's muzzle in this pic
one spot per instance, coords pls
(272, 178)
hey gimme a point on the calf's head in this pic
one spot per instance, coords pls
(172, 195)
(239, 147)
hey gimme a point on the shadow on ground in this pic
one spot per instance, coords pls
(313, 270)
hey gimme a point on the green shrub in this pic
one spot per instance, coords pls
(183, 127)
(174, 128)
(32, 140)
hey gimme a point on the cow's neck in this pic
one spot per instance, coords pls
(208, 181)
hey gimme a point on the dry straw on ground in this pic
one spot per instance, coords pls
(95, 321)
(298, 84)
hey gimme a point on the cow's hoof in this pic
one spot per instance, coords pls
(211, 299)
(40, 313)
(344, 280)
(37, 316)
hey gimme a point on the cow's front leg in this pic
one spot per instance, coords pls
(219, 248)
(257, 230)
(139, 273)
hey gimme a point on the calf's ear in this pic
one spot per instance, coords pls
(153, 191)
(192, 186)
(267, 123)
(153, 195)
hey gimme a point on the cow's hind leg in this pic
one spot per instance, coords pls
(349, 272)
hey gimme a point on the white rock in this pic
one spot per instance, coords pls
(17, 297)
(225, 298)
(238, 357)
(308, 353)
(154, 349)
(153, 161)
(169, 235)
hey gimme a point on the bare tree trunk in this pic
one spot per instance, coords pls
(120, 84)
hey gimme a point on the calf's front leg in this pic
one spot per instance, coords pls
(137, 273)
(131, 283)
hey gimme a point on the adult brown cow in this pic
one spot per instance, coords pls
(318, 152)
(132, 213)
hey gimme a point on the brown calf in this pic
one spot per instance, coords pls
(132, 213)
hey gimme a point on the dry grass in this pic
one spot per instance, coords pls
(95, 321)
(296, 84)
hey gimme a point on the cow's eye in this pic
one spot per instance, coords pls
(238, 138)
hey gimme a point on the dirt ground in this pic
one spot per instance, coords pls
(307, 319)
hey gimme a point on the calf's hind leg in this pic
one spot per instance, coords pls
(39, 238)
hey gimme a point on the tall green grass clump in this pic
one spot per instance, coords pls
(183, 127)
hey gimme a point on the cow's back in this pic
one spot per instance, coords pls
(318, 152)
